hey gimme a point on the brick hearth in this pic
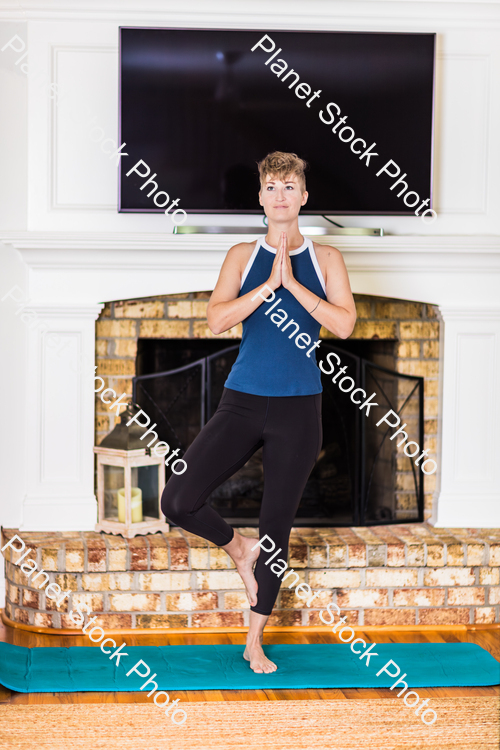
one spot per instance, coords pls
(384, 575)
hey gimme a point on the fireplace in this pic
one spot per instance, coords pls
(181, 580)
(361, 478)
(354, 481)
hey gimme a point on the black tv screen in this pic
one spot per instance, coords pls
(200, 109)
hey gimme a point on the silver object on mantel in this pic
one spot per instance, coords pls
(364, 231)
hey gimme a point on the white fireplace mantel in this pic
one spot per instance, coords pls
(70, 275)
(444, 270)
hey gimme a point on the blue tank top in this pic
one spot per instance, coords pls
(270, 362)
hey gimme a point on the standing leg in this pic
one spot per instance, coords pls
(292, 441)
(253, 650)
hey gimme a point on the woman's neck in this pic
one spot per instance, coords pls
(294, 237)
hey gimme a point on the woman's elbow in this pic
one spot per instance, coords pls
(348, 328)
(214, 325)
(214, 322)
(344, 334)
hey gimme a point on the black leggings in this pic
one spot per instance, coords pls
(290, 430)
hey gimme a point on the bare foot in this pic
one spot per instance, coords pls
(258, 660)
(244, 558)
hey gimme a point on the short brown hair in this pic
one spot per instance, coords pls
(280, 164)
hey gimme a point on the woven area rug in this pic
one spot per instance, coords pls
(385, 724)
(221, 667)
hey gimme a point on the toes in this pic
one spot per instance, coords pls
(267, 669)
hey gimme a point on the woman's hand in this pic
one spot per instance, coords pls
(281, 272)
(287, 277)
(274, 280)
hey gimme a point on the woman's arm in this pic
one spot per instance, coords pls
(225, 308)
(338, 312)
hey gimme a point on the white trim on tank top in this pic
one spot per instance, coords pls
(250, 263)
(307, 243)
(315, 263)
(292, 252)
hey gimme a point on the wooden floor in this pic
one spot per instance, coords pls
(488, 639)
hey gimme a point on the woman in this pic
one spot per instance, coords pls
(272, 397)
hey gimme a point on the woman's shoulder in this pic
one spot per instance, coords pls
(329, 258)
(241, 253)
(326, 252)
(243, 248)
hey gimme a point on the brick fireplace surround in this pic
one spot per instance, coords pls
(413, 327)
(398, 575)
(411, 574)
(381, 576)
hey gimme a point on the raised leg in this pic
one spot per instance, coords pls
(222, 447)
(240, 551)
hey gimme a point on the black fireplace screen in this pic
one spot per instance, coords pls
(361, 476)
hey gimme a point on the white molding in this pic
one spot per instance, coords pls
(463, 244)
(473, 312)
(88, 268)
(53, 473)
(469, 416)
(338, 14)
(53, 129)
(64, 309)
(59, 416)
(449, 57)
(469, 510)
(67, 513)
(454, 272)
(154, 252)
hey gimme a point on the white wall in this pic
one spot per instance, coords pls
(13, 214)
(13, 128)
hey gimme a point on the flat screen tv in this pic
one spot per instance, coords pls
(201, 107)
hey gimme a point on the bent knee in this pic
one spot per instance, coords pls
(172, 506)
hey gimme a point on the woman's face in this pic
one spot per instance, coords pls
(282, 200)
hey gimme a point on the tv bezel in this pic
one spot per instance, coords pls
(256, 212)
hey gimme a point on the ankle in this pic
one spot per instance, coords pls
(254, 639)
(253, 646)
(238, 549)
(234, 547)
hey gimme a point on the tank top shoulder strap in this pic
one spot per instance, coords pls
(251, 260)
(314, 261)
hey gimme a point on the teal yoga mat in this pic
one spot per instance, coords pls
(43, 670)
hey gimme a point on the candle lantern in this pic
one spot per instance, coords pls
(130, 481)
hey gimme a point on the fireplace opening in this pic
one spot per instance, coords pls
(361, 477)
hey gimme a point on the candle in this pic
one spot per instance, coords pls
(136, 505)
